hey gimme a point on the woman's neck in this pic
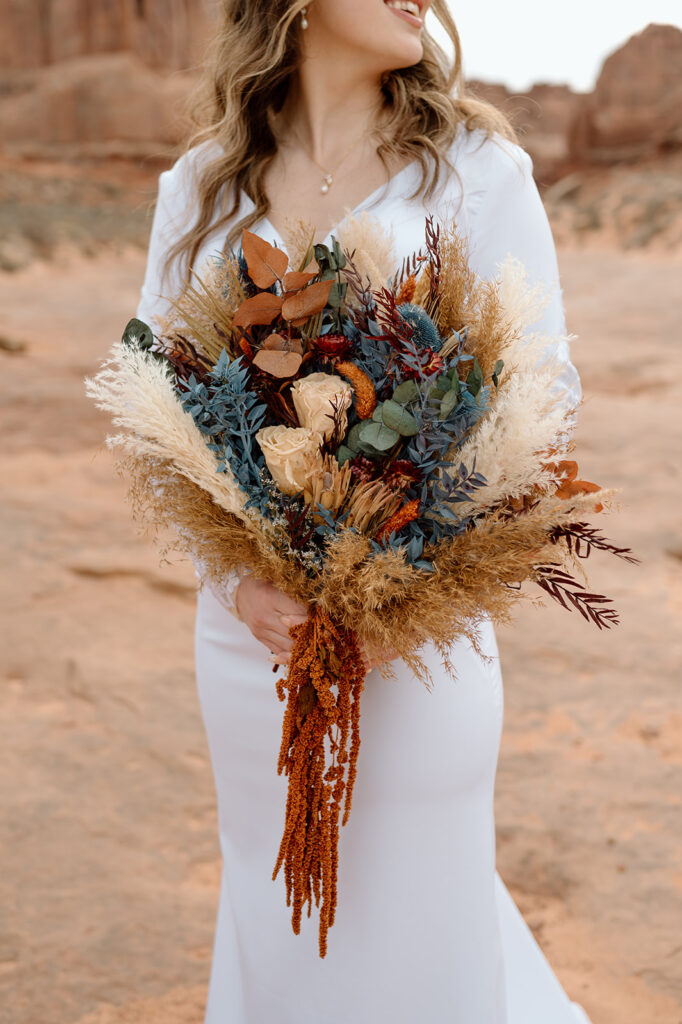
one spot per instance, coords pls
(327, 109)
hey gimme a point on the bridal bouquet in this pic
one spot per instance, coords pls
(385, 445)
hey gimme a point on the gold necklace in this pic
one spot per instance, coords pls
(328, 176)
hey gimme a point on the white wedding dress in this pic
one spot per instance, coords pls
(425, 931)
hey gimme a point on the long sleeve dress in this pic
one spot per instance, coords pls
(425, 930)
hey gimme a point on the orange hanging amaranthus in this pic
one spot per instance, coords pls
(324, 656)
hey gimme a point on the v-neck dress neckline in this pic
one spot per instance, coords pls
(386, 186)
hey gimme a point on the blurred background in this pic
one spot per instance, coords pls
(109, 862)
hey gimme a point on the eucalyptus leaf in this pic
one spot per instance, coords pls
(370, 451)
(475, 378)
(406, 392)
(138, 334)
(322, 253)
(448, 403)
(379, 436)
(338, 255)
(344, 453)
(397, 418)
(353, 437)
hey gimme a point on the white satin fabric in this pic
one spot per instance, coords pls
(425, 931)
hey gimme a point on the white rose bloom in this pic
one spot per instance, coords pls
(285, 450)
(314, 398)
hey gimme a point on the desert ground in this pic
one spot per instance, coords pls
(109, 862)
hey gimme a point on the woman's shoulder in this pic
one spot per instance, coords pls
(180, 180)
(488, 160)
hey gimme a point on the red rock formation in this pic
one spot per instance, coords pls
(84, 72)
(636, 107)
(163, 33)
(92, 100)
(541, 117)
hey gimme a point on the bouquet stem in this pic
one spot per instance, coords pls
(323, 686)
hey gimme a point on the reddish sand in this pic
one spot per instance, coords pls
(109, 867)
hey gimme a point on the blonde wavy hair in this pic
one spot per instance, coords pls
(249, 71)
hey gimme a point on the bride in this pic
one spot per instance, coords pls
(315, 112)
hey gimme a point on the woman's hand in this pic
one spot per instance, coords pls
(374, 656)
(269, 613)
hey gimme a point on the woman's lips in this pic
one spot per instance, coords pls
(408, 16)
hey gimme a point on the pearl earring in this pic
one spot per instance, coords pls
(304, 18)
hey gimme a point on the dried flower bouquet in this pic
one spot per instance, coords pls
(388, 448)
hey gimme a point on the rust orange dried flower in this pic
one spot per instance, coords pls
(405, 514)
(324, 656)
(363, 388)
(406, 290)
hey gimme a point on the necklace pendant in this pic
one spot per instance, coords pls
(326, 184)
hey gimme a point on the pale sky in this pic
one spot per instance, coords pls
(526, 41)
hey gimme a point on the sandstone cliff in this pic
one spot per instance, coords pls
(162, 33)
(636, 107)
(78, 73)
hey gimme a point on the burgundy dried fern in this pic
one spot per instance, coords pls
(410, 265)
(433, 255)
(361, 290)
(398, 332)
(582, 538)
(562, 587)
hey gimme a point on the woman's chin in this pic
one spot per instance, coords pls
(404, 53)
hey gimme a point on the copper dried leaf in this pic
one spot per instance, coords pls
(278, 343)
(571, 488)
(278, 364)
(266, 264)
(296, 279)
(259, 309)
(275, 342)
(307, 302)
(567, 467)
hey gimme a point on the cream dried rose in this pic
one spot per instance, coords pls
(285, 450)
(315, 397)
